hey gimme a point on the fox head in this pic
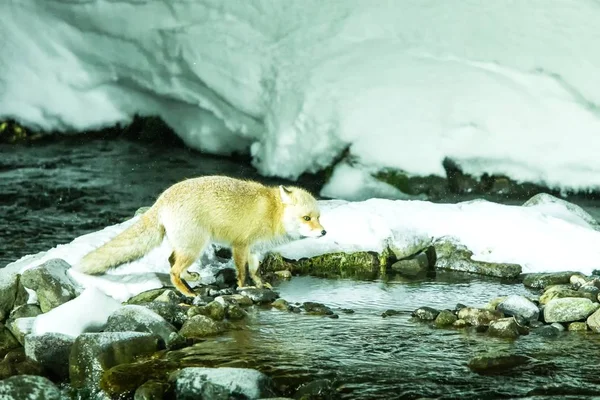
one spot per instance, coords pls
(301, 213)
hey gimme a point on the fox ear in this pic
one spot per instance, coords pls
(286, 195)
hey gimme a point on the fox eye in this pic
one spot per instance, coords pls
(306, 218)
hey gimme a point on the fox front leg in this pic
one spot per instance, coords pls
(253, 268)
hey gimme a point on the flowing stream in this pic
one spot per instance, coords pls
(53, 192)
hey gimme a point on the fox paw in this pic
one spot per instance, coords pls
(190, 276)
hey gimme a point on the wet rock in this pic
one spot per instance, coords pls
(568, 309)
(127, 377)
(174, 314)
(495, 362)
(543, 280)
(562, 291)
(425, 313)
(169, 296)
(454, 256)
(460, 323)
(235, 313)
(200, 326)
(577, 280)
(191, 383)
(281, 304)
(313, 308)
(593, 321)
(214, 309)
(516, 305)
(135, 318)
(445, 318)
(94, 353)
(285, 274)
(546, 331)
(16, 363)
(316, 390)
(7, 341)
(29, 387)
(51, 283)
(478, 316)
(20, 327)
(147, 296)
(238, 299)
(390, 313)
(260, 296)
(9, 283)
(578, 327)
(413, 267)
(25, 311)
(504, 328)
(52, 351)
(151, 390)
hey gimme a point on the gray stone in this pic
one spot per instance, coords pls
(214, 309)
(9, 282)
(24, 387)
(281, 304)
(238, 382)
(25, 311)
(569, 309)
(412, 267)
(175, 314)
(445, 318)
(562, 291)
(593, 321)
(200, 326)
(52, 351)
(51, 283)
(235, 312)
(570, 212)
(478, 316)
(20, 327)
(151, 390)
(260, 296)
(7, 341)
(543, 280)
(578, 326)
(425, 313)
(313, 308)
(519, 305)
(504, 328)
(94, 353)
(136, 318)
(147, 296)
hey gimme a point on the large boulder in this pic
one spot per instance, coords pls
(22, 387)
(51, 283)
(52, 351)
(521, 306)
(569, 309)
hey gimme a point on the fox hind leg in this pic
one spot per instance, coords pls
(185, 252)
(240, 257)
(179, 264)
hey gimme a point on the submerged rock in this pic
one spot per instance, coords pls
(317, 389)
(454, 256)
(478, 316)
(516, 305)
(313, 308)
(281, 304)
(543, 280)
(135, 318)
(569, 309)
(496, 362)
(94, 353)
(200, 326)
(390, 313)
(425, 313)
(221, 383)
(52, 351)
(51, 283)
(24, 387)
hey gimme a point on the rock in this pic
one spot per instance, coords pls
(174, 314)
(504, 328)
(562, 291)
(568, 309)
(20, 327)
(562, 209)
(135, 318)
(281, 304)
(226, 277)
(52, 351)
(493, 362)
(593, 321)
(16, 363)
(578, 327)
(7, 341)
(238, 299)
(94, 353)
(313, 308)
(558, 326)
(577, 280)
(51, 283)
(454, 256)
(260, 296)
(151, 390)
(214, 310)
(478, 316)
(147, 296)
(127, 377)
(413, 267)
(190, 383)
(543, 280)
(9, 282)
(425, 313)
(29, 387)
(285, 274)
(460, 323)
(235, 313)
(516, 305)
(390, 313)
(317, 389)
(445, 318)
(200, 326)
(25, 311)
(169, 296)
(546, 331)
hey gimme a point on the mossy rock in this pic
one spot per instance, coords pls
(413, 185)
(359, 265)
(126, 378)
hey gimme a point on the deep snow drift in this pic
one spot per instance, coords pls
(500, 88)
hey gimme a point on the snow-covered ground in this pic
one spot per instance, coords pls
(507, 88)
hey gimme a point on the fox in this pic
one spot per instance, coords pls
(247, 216)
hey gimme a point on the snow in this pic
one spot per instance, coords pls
(499, 88)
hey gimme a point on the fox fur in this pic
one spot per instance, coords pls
(246, 216)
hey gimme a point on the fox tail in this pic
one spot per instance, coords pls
(131, 244)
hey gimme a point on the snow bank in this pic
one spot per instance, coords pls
(500, 88)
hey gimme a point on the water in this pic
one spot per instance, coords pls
(52, 193)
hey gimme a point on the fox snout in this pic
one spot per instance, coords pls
(311, 227)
